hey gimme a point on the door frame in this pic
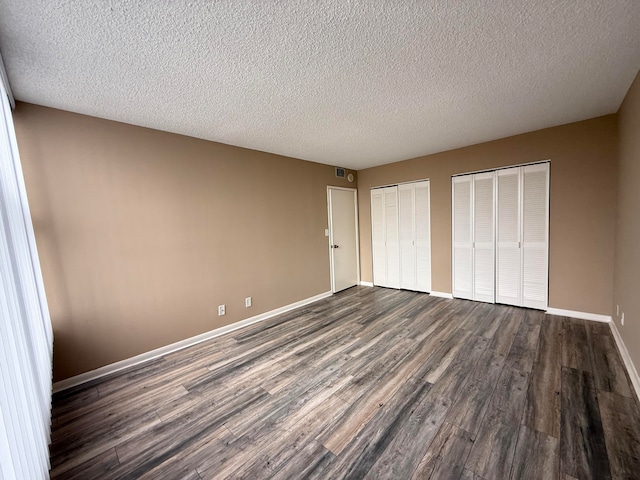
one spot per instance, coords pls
(330, 236)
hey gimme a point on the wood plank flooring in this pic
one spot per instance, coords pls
(369, 383)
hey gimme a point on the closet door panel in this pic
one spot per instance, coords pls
(407, 233)
(535, 227)
(422, 219)
(483, 237)
(508, 271)
(377, 238)
(462, 237)
(392, 237)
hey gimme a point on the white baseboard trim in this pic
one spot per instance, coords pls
(596, 317)
(433, 293)
(187, 342)
(366, 284)
(626, 358)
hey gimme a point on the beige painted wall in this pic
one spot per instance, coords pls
(627, 262)
(582, 210)
(142, 234)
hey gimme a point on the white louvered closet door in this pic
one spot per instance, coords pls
(483, 237)
(392, 242)
(462, 237)
(508, 261)
(406, 202)
(401, 236)
(377, 238)
(535, 227)
(422, 216)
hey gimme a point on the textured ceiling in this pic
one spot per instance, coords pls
(351, 83)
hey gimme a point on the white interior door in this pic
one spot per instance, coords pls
(343, 238)
(535, 232)
(462, 237)
(483, 237)
(508, 271)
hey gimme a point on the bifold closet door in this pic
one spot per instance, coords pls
(508, 271)
(535, 234)
(384, 235)
(474, 237)
(422, 216)
(392, 242)
(484, 237)
(462, 237)
(523, 236)
(414, 230)
(379, 252)
(406, 202)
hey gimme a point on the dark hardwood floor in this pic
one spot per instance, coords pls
(369, 383)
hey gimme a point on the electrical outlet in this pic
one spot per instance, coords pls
(221, 310)
(247, 302)
(622, 319)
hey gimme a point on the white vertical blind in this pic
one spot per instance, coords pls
(26, 337)
(422, 218)
(535, 226)
(462, 237)
(483, 237)
(508, 276)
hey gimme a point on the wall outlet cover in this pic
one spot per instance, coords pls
(221, 310)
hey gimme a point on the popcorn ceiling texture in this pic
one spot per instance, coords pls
(351, 83)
